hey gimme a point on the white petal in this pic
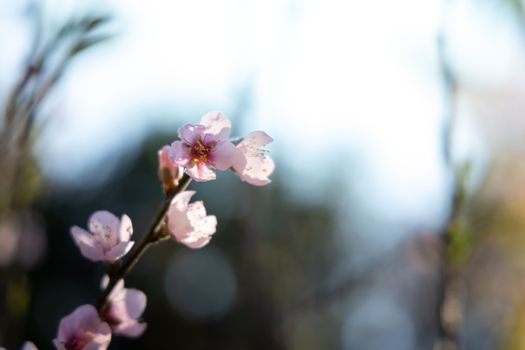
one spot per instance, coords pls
(118, 251)
(87, 244)
(215, 122)
(126, 228)
(200, 172)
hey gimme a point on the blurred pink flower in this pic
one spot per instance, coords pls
(188, 223)
(83, 330)
(22, 239)
(9, 238)
(169, 172)
(255, 166)
(123, 309)
(204, 146)
(108, 239)
(26, 346)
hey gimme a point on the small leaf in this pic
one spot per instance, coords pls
(86, 43)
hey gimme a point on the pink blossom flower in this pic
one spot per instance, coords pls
(107, 239)
(83, 330)
(205, 146)
(123, 309)
(188, 223)
(169, 172)
(26, 346)
(255, 166)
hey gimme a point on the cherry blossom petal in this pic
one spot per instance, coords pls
(130, 329)
(28, 346)
(189, 224)
(135, 302)
(215, 122)
(118, 251)
(165, 157)
(84, 323)
(86, 242)
(224, 155)
(181, 200)
(257, 139)
(108, 239)
(207, 226)
(200, 172)
(126, 228)
(180, 153)
(257, 165)
(102, 222)
(221, 136)
(179, 224)
(198, 243)
(195, 211)
(190, 133)
(257, 170)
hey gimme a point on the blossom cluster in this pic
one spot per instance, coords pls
(201, 149)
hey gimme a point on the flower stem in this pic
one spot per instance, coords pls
(152, 237)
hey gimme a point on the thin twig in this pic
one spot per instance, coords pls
(149, 239)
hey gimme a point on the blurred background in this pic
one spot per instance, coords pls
(396, 215)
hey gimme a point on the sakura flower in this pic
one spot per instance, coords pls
(205, 146)
(169, 172)
(255, 165)
(188, 223)
(26, 346)
(123, 309)
(107, 239)
(83, 330)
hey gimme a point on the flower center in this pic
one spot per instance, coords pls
(200, 152)
(75, 343)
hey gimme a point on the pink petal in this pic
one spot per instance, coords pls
(207, 225)
(199, 243)
(180, 153)
(135, 302)
(83, 319)
(101, 337)
(200, 172)
(131, 329)
(103, 220)
(203, 229)
(165, 157)
(58, 345)
(86, 242)
(215, 122)
(196, 211)
(181, 200)
(190, 133)
(126, 228)
(224, 155)
(28, 346)
(179, 225)
(222, 135)
(240, 163)
(257, 170)
(118, 251)
(256, 139)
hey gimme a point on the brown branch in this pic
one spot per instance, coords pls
(152, 237)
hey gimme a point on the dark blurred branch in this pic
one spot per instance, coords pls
(45, 68)
(447, 337)
(46, 64)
